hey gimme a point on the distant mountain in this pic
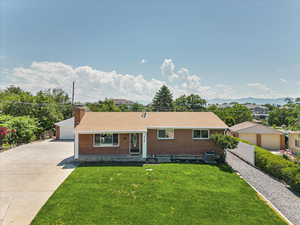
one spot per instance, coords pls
(259, 101)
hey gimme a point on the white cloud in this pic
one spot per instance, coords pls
(182, 81)
(143, 61)
(259, 90)
(93, 84)
(90, 85)
(283, 80)
(259, 86)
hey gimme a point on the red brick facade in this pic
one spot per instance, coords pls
(57, 132)
(86, 145)
(181, 144)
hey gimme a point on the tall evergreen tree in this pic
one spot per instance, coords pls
(163, 100)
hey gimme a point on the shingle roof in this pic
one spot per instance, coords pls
(134, 121)
(243, 125)
(250, 127)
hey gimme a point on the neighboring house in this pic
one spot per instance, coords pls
(65, 129)
(109, 136)
(260, 135)
(119, 102)
(258, 111)
(294, 141)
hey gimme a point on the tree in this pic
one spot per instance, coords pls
(287, 116)
(288, 100)
(103, 106)
(136, 107)
(224, 141)
(240, 113)
(192, 103)
(232, 115)
(163, 100)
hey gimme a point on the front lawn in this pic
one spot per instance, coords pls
(174, 194)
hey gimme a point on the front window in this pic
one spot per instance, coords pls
(165, 134)
(106, 140)
(200, 134)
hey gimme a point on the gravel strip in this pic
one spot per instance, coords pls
(277, 193)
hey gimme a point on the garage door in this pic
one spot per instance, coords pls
(66, 133)
(248, 137)
(270, 141)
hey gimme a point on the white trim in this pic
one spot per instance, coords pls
(76, 146)
(183, 127)
(200, 138)
(154, 127)
(106, 145)
(144, 146)
(159, 138)
(111, 131)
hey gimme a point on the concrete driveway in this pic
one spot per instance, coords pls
(29, 174)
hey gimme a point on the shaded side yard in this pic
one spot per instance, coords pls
(155, 194)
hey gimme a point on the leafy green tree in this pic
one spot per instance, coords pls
(136, 107)
(163, 100)
(190, 103)
(47, 106)
(224, 141)
(287, 116)
(288, 100)
(103, 106)
(232, 115)
(240, 113)
(269, 106)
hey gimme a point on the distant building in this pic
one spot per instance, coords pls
(294, 141)
(225, 105)
(119, 102)
(258, 111)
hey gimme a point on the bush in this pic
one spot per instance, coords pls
(25, 129)
(224, 141)
(278, 167)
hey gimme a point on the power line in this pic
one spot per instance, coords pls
(33, 103)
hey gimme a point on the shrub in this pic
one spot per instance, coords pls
(224, 141)
(24, 129)
(278, 167)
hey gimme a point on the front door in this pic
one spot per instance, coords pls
(135, 143)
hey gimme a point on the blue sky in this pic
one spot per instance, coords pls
(218, 48)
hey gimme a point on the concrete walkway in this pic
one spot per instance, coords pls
(278, 194)
(29, 174)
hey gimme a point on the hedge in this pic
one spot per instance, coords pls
(278, 167)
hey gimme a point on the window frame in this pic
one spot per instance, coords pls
(200, 138)
(164, 138)
(106, 145)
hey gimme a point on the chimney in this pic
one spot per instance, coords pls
(78, 115)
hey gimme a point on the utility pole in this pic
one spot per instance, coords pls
(73, 87)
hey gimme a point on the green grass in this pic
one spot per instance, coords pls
(170, 194)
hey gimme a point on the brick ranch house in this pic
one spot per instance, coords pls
(137, 136)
